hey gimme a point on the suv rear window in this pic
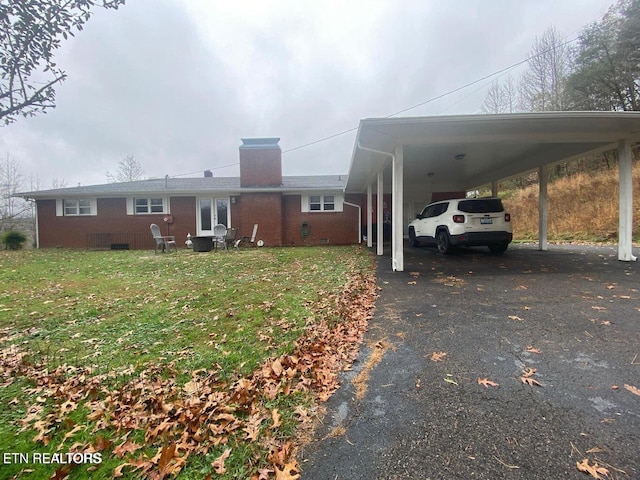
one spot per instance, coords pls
(482, 205)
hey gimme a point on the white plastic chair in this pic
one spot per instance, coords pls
(219, 235)
(163, 241)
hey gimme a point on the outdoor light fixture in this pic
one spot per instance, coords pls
(459, 156)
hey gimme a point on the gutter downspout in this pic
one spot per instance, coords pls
(361, 147)
(359, 219)
(37, 232)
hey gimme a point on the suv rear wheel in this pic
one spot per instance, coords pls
(443, 242)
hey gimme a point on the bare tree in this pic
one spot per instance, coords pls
(501, 98)
(542, 85)
(493, 101)
(129, 170)
(11, 182)
(30, 32)
(58, 183)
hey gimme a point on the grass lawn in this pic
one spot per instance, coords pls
(195, 365)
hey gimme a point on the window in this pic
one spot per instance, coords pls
(149, 205)
(329, 203)
(315, 203)
(77, 207)
(322, 203)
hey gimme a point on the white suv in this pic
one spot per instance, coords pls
(463, 221)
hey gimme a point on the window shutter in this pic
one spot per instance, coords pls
(59, 208)
(129, 205)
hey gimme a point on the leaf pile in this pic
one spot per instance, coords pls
(154, 422)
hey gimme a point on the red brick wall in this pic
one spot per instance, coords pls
(279, 218)
(260, 167)
(112, 219)
(333, 228)
(265, 209)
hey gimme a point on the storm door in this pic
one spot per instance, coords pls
(212, 211)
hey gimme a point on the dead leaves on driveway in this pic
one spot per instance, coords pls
(595, 470)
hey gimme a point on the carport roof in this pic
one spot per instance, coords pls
(487, 147)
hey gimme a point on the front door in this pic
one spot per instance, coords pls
(212, 211)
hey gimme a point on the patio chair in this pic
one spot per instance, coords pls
(219, 235)
(251, 239)
(163, 241)
(230, 237)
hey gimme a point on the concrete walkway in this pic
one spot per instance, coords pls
(571, 313)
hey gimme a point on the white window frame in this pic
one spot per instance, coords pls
(76, 207)
(337, 203)
(132, 205)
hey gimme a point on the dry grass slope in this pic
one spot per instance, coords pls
(582, 207)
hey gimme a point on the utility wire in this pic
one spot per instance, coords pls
(433, 99)
(430, 100)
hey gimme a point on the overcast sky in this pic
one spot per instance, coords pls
(177, 83)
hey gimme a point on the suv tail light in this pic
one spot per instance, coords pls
(507, 217)
(458, 218)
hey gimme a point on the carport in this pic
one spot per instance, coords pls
(413, 157)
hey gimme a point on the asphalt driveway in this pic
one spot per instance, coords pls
(571, 313)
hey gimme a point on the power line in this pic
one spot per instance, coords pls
(433, 99)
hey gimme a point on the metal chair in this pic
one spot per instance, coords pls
(230, 237)
(252, 239)
(163, 241)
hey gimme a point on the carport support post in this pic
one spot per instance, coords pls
(369, 217)
(380, 220)
(494, 188)
(625, 181)
(543, 208)
(397, 198)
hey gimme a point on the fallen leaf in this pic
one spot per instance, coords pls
(594, 470)
(532, 349)
(126, 447)
(530, 381)
(515, 317)
(412, 283)
(449, 380)
(596, 450)
(632, 389)
(276, 418)
(438, 356)
(527, 377)
(218, 463)
(289, 472)
(165, 458)
(486, 382)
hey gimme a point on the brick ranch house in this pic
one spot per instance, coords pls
(289, 210)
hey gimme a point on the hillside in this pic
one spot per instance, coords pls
(582, 207)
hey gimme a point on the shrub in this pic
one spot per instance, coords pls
(13, 239)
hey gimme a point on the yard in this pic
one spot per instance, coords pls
(131, 364)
